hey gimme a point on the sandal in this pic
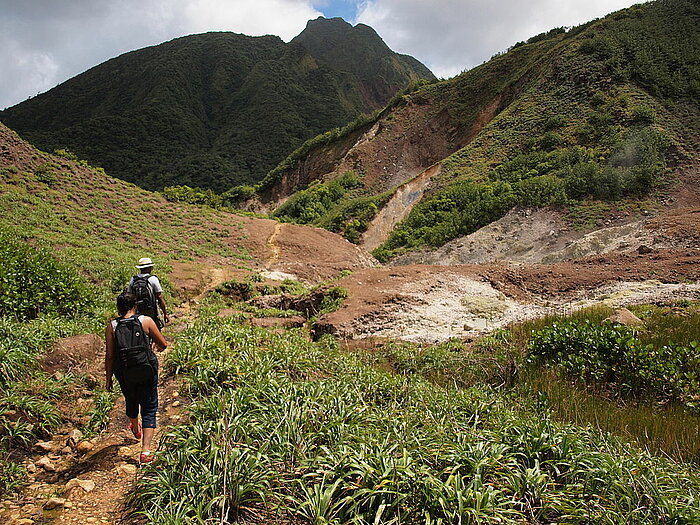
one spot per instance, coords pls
(146, 457)
(136, 433)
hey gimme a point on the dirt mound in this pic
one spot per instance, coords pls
(541, 236)
(309, 254)
(80, 353)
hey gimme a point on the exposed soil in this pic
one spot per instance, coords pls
(107, 465)
(433, 303)
(398, 208)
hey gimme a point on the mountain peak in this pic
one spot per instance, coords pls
(323, 33)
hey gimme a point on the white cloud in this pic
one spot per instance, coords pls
(43, 43)
(284, 18)
(452, 35)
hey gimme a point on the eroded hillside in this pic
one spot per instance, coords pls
(592, 123)
(100, 223)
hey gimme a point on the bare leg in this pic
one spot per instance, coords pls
(147, 438)
(135, 424)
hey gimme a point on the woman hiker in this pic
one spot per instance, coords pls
(130, 358)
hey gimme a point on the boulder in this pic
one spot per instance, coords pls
(77, 352)
(624, 317)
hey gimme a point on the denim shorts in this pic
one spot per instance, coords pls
(143, 399)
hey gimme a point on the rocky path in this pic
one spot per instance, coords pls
(78, 480)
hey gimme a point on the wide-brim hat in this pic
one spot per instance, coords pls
(144, 262)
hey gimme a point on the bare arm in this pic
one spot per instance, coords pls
(161, 302)
(109, 356)
(151, 329)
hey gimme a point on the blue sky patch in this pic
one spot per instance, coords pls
(346, 9)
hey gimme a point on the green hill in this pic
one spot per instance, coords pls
(217, 109)
(606, 111)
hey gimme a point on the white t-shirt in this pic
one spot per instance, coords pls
(114, 322)
(152, 281)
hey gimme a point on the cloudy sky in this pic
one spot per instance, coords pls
(45, 42)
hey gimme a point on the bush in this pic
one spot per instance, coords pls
(34, 282)
(643, 114)
(309, 205)
(45, 173)
(238, 194)
(615, 357)
(199, 196)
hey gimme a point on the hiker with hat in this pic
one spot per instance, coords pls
(130, 340)
(148, 292)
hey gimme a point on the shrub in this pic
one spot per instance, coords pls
(615, 357)
(11, 476)
(644, 114)
(45, 173)
(200, 196)
(237, 194)
(309, 205)
(34, 282)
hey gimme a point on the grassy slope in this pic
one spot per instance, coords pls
(282, 428)
(100, 223)
(599, 86)
(211, 110)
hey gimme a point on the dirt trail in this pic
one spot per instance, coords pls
(273, 247)
(109, 469)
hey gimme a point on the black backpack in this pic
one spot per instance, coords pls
(145, 298)
(132, 353)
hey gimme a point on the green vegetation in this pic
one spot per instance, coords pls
(339, 205)
(34, 282)
(292, 297)
(616, 358)
(309, 205)
(659, 412)
(42, 301)
(288, 429)
(215, 110)
(68, 245)
(198, 196)
(581, 118)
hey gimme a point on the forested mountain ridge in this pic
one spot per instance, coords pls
(602, 112)
(216, 109)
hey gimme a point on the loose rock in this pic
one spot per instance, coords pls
(624, 317)
(87, 485)
(126, 469)
(46, 464)
(84, 447)
(125, 451)
(54, 503)
(74, 437)
(46, 446)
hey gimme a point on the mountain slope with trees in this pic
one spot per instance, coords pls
(606, 112)
(216, 109)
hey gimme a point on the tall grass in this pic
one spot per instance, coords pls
(282, 428)
(666, 425)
